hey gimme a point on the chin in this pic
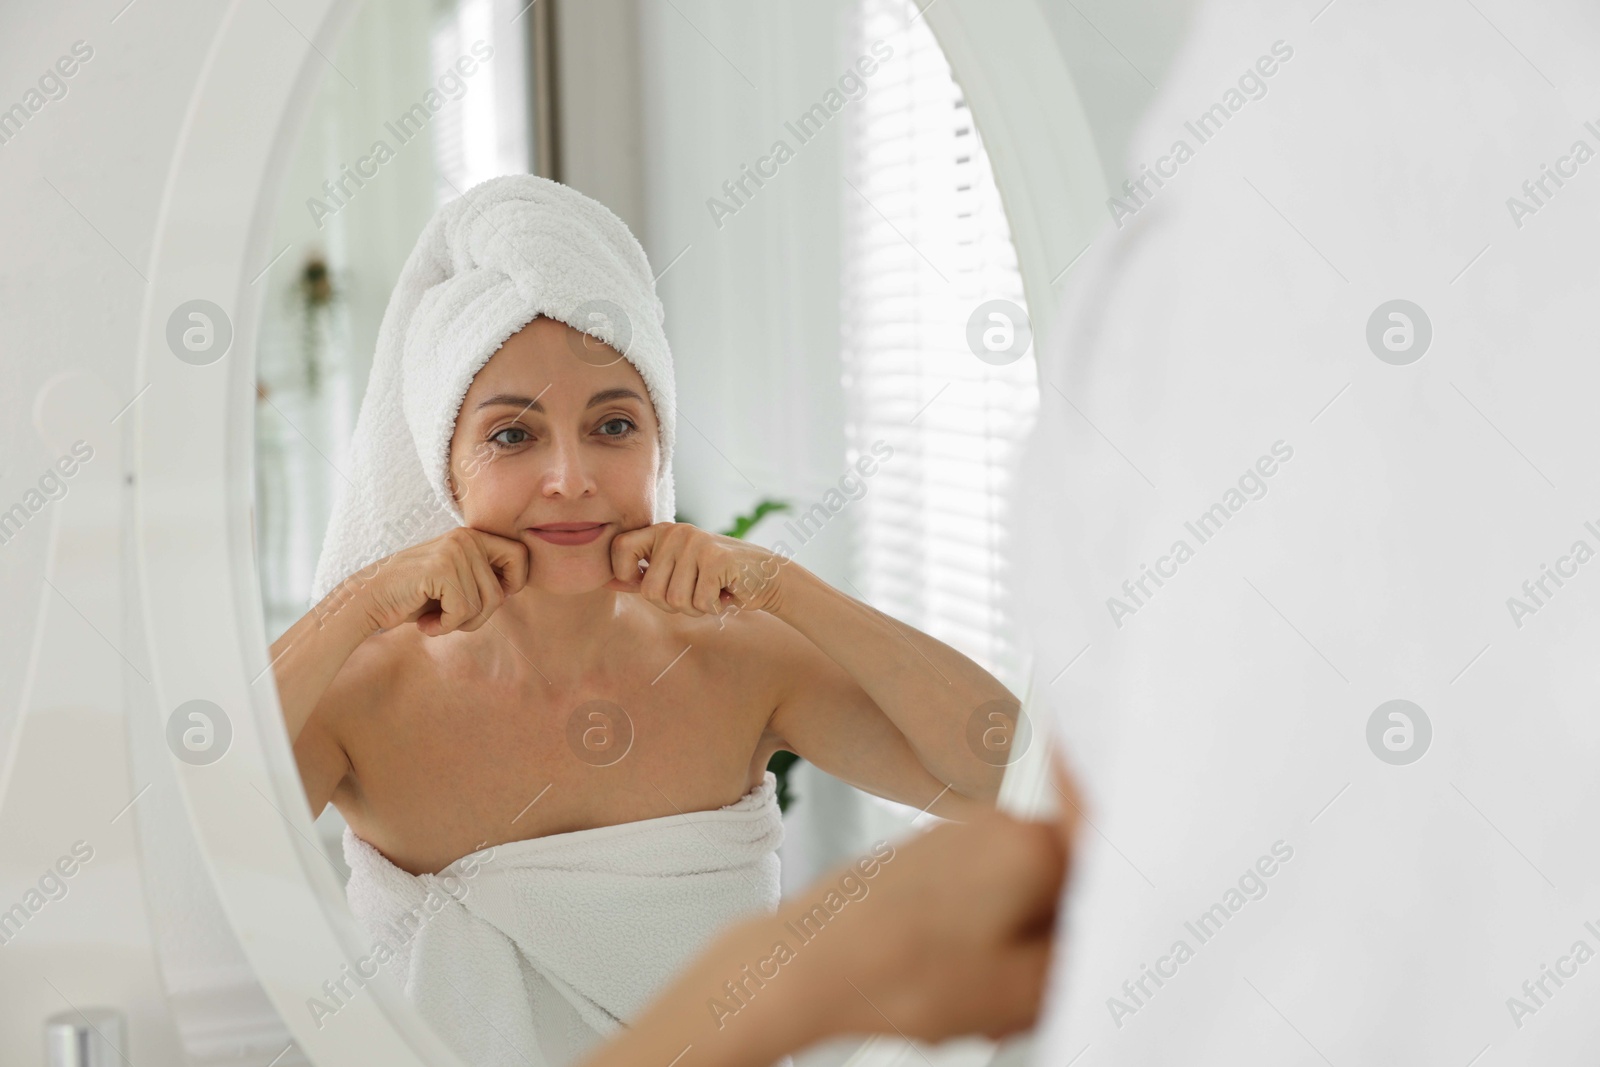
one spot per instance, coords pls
(569, 576)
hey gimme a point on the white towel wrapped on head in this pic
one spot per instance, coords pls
(554, 943)
(486, 265)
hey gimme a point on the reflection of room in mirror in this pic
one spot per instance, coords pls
(911, 206)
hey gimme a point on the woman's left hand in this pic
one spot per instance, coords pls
(695, 572)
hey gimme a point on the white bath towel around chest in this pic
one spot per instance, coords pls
(536, 954)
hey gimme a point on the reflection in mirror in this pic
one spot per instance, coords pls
(582, 659)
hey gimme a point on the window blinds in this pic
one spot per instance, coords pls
(925, 243)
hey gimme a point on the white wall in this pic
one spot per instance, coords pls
(1118, 52)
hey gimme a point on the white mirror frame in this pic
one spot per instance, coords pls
(1037, 135)
(194, 456)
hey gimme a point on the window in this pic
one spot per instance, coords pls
(925, 243)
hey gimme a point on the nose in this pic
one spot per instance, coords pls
(566, 473)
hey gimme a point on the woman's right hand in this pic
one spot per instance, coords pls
(453, 582)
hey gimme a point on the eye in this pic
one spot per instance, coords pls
(496, 436)
(630, 430)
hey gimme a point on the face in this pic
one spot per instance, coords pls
(557, 429)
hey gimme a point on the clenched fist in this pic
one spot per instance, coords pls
(694, 572)
(453, 582)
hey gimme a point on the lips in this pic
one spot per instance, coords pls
(568, 533)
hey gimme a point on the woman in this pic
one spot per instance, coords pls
(558, 658)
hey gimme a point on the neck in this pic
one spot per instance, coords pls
(566, 637)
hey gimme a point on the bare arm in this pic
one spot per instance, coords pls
(309, 654)
(825, 716)
(868, 664)
(306, 659)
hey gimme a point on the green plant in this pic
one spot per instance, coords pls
(316, 295)
(743, 523)
(779, 765)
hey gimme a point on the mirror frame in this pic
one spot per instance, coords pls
(194, 460)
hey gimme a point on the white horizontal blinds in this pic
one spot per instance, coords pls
(925, 243)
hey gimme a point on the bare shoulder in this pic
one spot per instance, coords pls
(760, 658)
(732, 651)
(763, 650)
(323, 749)
(364, 684)
(765, 635)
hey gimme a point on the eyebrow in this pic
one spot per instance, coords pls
(532, 403)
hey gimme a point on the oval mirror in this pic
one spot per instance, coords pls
(853, 217)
